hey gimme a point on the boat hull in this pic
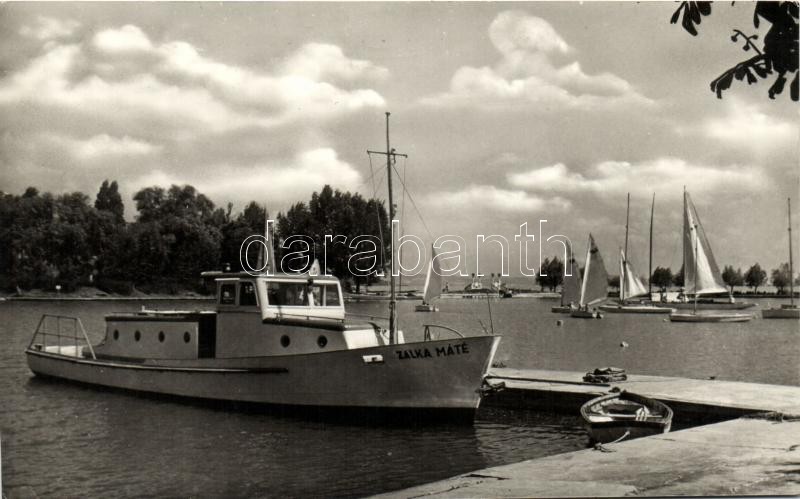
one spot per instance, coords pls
(444, 374)
(781, 313)
(710, 317)
(606, 426)
(426, 308)
(586, 314)
(705, 305)
(565, 309)
(635, 309)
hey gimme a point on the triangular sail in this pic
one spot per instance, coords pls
(702, 274)
(631, 284)
(433, 280)
(595, 278)
(571, 286)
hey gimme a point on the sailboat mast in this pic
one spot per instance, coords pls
(791, 267)
(696, 241)
(624, 272)
(650, 266)
(392, 297)
(683, 239)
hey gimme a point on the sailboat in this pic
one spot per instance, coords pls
(701, 274)
(570, 286)
(790, 311)
(630, 284)
(433, 285)
(278, 339)
(594, 287)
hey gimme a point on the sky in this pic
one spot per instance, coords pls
(509, 113)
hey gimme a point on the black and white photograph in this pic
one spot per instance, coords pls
(399, 249)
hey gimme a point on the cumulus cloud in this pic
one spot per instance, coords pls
(746, 125)
(526, 75)
(48, 28)
(668, 175)
(104, 146)
(171, 85)
(276, 183)
(482, 197)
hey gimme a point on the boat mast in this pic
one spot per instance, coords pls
(586, 270)
(392, 297)
(624, 272)
(696, 241)
(791, 267)
(650, 266)
(683, 239)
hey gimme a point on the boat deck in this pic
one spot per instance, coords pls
(753, 455)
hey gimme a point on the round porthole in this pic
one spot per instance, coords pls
(285, 341)
(137, 336)
(187, 337)
(161, 336)
(116, 334)
(322, 341)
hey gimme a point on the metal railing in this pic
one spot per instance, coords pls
(428, 327)
(64, 338)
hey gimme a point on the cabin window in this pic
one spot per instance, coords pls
(116, 334)
(187, 337)
(227, 294)
(285, 341)
(161, 336)
(331, 295)
(287, 293)
(137, 336)
(247, 294)
(322, 341)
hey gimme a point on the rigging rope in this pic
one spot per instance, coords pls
(413, 203)
(377, 211)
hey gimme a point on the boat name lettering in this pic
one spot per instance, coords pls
(417, 353)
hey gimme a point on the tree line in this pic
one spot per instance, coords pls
(65, 240)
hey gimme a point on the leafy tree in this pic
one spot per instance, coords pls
(554, 270)
(755, 277)
(613, 281)
(732, 277)
(108, 199)
(781, 277)
(332, 212)
(778, 55)
(662, 278)
(678, 279)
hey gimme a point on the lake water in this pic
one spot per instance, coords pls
(60, 439)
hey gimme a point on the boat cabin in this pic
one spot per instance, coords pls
(255, 316)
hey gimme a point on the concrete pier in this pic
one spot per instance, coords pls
(756, 454)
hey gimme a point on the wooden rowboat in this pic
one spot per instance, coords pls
(623, 416)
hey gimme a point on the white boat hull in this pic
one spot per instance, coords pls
(710, 317)
(635, 309)
(444, 374)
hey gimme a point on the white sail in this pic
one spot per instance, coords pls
(433, 280)
(631, 284)
(595, 278)
(701, 274)
(571, 285)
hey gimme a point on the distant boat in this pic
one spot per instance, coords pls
(570, 286)
(594, 287)
(623, 416)
(789, 311)
(433, 285)
(630, 284)
(701, 274)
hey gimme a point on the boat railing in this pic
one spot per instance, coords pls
(428, 336)
(62, 335)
